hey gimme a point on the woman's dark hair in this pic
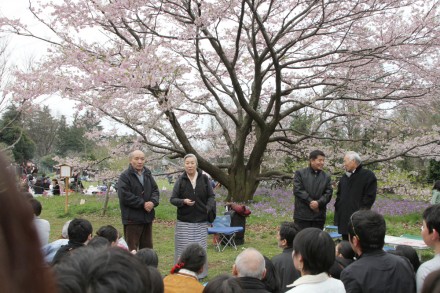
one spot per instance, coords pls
(411, 254)
(193, 258)
(223, 284)
(437, 185)
(317, 250)
(109, 232)
(22, 266)
(99, 242)
(148, 256)
(345, 249)
(271, 280)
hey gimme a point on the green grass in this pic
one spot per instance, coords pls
(261, 230)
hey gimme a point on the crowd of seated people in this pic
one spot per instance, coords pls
(309, 262)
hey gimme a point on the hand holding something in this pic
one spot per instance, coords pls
(188, 202)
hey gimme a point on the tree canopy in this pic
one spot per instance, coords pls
(238, 83)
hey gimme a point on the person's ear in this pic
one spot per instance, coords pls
(234, 270)
(435, 235)
(284, 242)
(264, 274)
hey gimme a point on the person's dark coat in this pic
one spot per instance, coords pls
(203, 195)
(285, 269)
(132, 196)
(38, 187)
(337, 267)
(56, 189)
(310, 185)
(65, 250)
(252, 285)
(379, 272)
(354, 193)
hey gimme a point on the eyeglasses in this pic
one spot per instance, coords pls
(352, 225)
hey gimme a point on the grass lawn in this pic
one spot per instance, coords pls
(267, 212)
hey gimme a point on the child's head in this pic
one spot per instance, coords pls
(344, 250)
(431, 225)
(192, 258)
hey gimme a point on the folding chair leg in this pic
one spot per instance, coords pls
(229, 240)
(217, 242)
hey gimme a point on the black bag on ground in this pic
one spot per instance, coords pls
(237, 221)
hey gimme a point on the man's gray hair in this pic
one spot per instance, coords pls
(354, 156)
(131, 154)
(250, 263)
(190, 156)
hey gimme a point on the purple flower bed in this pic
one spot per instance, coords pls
(280, 203)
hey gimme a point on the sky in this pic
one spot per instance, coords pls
(24, 48)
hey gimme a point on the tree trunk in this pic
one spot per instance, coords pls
(243, 184)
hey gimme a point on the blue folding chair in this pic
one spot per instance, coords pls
(226, 234)
(333, 232)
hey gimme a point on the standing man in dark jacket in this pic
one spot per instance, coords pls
(138, 195)
(356, 191)
(312, 190)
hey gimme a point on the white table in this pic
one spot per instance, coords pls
(417, 244)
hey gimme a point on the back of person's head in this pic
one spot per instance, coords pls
(110, 270)
(436, 185)
(109, 232)
(156, 280)
(345, 249)
(148, 256)
(79, 230)
(288, 231)
(431, 216)
(369, 227)
(22, 267)
(223, 284)
(193, 258)
(271, 280)
(36, 206)
(411, 254)
(317, 250)
(250, 263)
(431, 284)
(99, 242)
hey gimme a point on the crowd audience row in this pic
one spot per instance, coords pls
(84, 261)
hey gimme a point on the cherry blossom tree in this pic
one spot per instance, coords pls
(229, 80)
